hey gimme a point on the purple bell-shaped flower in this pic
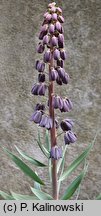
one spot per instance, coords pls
(56, 153)
(69, 137)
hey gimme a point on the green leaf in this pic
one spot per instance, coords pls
(23, 197)
(72, 187)
(26, 169)
(41, 195)
(43, 149)
(47, 141)
(36, 184)
(30, 159)
(98, 197)
(76, 163)
(6, 196)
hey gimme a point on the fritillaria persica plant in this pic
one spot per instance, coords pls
(51, 72)
(52, 50)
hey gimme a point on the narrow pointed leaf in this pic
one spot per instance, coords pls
(6, 196)
(41, 195)
(23, 197)
(75, 163)
(43, 149)
(72, 187)
(24, 167)
(30, 159)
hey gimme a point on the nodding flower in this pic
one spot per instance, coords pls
(56, 153)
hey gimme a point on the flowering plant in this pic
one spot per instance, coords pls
(53, 55)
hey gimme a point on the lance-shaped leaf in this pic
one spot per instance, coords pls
(24, 167)
(72, 187)
(41, 195)
(42, 147)
(30, 159)
(75, 163)
(6, 196)
(23, 197)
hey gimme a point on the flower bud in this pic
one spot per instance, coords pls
(63, 54)
(61, 19)
(66, 124)
(54, 41)
(51, 4)
(61, 72)
(40, 48)
(48, 17)
(59, 80)
(51, 29)
(41, 77)
(65, 78)
(60, 63)
(60, 40)
(45, 39)
(53, 74)
(56, 54)
(47, 56)
(58, 26)
(69, 137)
(54, 16)
(56, 153)
(36, 117)
(59, 10)
(53, 9)
(70, 105)
(40, 107)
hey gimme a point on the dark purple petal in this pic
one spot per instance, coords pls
(34, 90)
(61, 72)
(36, 64)
(40, 48)
(54, 41)
(40, 66)
(59, 10)
(69, 137)
(61, 19)
(49, 123)
(39, 106)
(60, 40)
(59, 80)
(65, 78)
(70, 105)
(43, 121)
(41, 89)
(41, 77)
(46, 39)
(58, 26)
(63, 54)
(66, 124)
(60, 102)
(60, 63)
(36, 117)
(53, 74)
(55, 102)
(56, 54)
(47, 56)
(56, 153)
(51, 28)
(54, 16)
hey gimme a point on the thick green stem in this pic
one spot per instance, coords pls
(53, 135)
